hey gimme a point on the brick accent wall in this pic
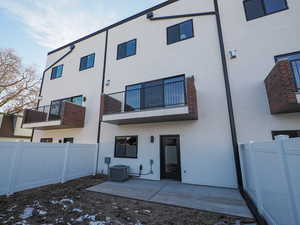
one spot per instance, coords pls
(110, 105)
(281, 88)
(73, 115)
(191, 95)
(33, 116)
(7, 128)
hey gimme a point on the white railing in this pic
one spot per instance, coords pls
(28, 165)
(271, 174)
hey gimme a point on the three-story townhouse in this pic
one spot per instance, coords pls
(171, 91)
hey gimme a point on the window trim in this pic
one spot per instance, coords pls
(276, 58)
(126, 42)
(81, 69)
(178, 24)
(126, 157)
(264, 8)
(51, 76)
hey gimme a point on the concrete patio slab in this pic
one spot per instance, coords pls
(220, 200)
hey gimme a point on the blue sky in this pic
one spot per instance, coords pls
(34, 27)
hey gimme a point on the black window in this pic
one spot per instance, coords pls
(46, 140)
(87, 62)
(157, 93)
(126, 49)
(294, 59)
(126, 147)
(68, 140)
(259, 8)
(57, 72)
(290, 133)
(180, 32)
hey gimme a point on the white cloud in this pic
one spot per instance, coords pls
(54, 23)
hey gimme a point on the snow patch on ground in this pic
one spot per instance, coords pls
(77, 210)
(27, 213)
(11, 208)
(42, 212)
(23, 222)
(67, 200)
(97, 223)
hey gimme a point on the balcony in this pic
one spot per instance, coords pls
(61, 115)
(171, 99)
(281, 85)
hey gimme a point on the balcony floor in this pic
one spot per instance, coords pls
(43, 125)
(149, 116)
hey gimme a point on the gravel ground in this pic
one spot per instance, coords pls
(70, 203)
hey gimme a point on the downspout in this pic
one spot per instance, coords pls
(102, 91)
(72, 47)
(249, 201)
(229, 100)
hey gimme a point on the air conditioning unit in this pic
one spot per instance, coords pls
(118, 173)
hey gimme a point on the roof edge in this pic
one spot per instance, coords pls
(161, 5)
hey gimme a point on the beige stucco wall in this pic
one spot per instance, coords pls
(74, 82)
(206, 149)
(257, 42)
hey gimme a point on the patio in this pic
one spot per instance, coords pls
(219, 200)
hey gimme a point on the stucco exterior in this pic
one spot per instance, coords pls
(206, 149)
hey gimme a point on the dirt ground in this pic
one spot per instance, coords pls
(70, 204)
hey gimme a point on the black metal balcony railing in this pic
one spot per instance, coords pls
(153, 96)
(46, 113)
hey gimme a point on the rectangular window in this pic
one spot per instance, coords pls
(87, 62)
(158, 93)
(57, 72)
(180, 32)
(68, 140)
(294, 59)
(259, 8)
(290, 133)
(55, 106)
(126, 147)
(46, 140)
(126, 49)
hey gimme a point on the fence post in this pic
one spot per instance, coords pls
(290, 187)
(257, 184)
(96, 160)
(15, 164)
(65, 166)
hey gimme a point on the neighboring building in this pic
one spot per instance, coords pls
(156, 87)
(11, 128)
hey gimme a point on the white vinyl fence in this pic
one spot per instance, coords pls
(28, 165)
(271, 172)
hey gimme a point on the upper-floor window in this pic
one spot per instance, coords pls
(57, 72)
(180, 32)
(259, 8)
(126, 49)
(294, 59)
(87, 62)
(158, 93)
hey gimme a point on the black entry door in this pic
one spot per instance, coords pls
(170, 157)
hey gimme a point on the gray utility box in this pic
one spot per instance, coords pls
(119, 173)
